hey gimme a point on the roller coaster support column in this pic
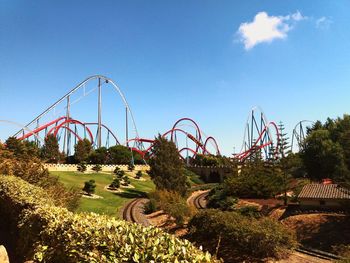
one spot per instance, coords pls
(66, 141)
(37, 126)
(99, 114)
(126, 127)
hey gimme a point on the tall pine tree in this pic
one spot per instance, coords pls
(167, 169)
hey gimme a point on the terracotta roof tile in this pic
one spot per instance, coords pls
(324, 191)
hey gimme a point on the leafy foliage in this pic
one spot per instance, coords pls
(125, 180)
(31, 170)
(115, 184)
(99, 156)
(82, 167)
(120, 174)
(326, 150)
(236, 237)
(257, 179)
(82, 150)
(131, 167)
(50, 150)
(97, 168)
(45, 233)
(172, 203)
(220, 198)
(119, 154)
(210, 160)
(89, 187)
(166, 168)
(138, 175)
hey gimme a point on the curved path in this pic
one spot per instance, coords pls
(197, 199)
(133, 211)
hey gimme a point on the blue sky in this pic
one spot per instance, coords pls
(208, 60)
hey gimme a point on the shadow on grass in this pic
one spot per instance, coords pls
(131, 193)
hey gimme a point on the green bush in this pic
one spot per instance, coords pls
(150, 207)
(32, 171)
(89, 187)
(138, 175)
(126, 180)
(173, 204)
(240, 237)
(220, 198)
(116, 170)
(131, 167)
(45, 233)
(115, 184)
(97, 168)
(193, 178)
(120, 174)
(81, 167)
(249, 210)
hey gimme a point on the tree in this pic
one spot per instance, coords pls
(97, 168)
(119, 173)
(283, 147)
(322, 157)
(50, 150)
(131, 167)
(82, 150)
(119, 154)
(238, 238)
(138, 175)
(15, 146)
(22, 149)
(89, 187)
(81, 167)
(115, 184)
(166, 167)
(283, 150)
(99, 156)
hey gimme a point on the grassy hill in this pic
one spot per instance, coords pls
(111, 202)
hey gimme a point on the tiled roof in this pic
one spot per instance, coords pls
(324, 191)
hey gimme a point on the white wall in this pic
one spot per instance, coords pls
(105, 168)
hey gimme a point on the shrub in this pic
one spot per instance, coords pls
(32, 171)
(126, 181)
(131, 167)
(120, 174)
(116, 170)
(173, 204)
(89, 187)
(138, 175)
(150, 207)
(45, 233)
(166, 167)
(97, 168)
(239, 236)
(193, 177)
(81, 167)
(250, 210)
(219, 198)
(115, 184)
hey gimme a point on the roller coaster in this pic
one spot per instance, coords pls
(69, 130)
(259, 134)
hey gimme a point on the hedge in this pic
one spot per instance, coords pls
(239, 236)
(47, 233)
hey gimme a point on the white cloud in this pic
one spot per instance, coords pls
(265, 28)
(323, 22)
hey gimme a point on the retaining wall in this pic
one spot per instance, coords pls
(105, 168)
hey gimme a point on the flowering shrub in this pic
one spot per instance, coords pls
(46, 233)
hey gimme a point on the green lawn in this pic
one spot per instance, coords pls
(111, 202)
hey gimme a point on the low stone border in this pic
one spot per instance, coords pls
(93, 196)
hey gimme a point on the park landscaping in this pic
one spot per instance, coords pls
(111, 202)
